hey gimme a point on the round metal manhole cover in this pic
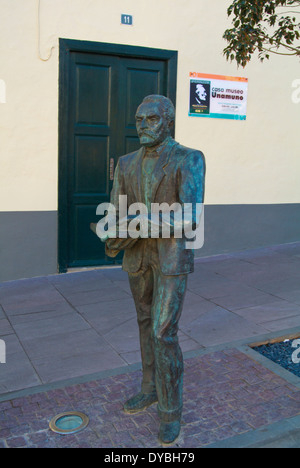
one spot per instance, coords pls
(69, 422)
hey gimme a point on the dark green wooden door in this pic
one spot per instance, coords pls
(103, 92)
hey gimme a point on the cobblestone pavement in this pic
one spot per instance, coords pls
(226, 393)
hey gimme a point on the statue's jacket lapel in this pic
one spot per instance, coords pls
(158, 174)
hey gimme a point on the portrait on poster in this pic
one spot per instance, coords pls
(199, 97)
(218, 96)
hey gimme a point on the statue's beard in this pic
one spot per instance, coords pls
(148, 138)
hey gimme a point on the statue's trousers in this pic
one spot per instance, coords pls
(159, 300)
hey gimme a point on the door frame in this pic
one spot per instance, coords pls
(66, 46)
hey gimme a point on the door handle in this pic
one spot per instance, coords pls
(111, 168)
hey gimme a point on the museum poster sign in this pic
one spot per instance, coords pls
(218, 96)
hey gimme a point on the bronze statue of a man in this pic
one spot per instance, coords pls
(161, 171)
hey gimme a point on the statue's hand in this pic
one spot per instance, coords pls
(120, 244)
(106, 234)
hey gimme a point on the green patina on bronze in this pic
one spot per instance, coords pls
(161, 171)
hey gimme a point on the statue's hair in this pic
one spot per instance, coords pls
(166, 103)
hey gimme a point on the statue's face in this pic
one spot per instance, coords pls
(152, 126)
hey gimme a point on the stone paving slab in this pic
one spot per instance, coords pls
(20, 374)
(226, 394)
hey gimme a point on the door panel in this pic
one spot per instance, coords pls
(135, 92)
(100, 93)
(141, 78)
(92, 101)
(92, 94)
(86, 243)
(131, 144)
(91, 164)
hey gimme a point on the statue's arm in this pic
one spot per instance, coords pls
(192, 178)
(192, 185)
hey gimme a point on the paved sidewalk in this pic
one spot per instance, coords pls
(72, 343)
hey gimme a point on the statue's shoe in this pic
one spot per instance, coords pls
(140, 402)
(168, 432)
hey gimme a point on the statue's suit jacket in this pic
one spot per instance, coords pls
(179, 177)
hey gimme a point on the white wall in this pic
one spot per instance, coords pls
(256, 161)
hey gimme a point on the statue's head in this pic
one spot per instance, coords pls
(155, 118)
